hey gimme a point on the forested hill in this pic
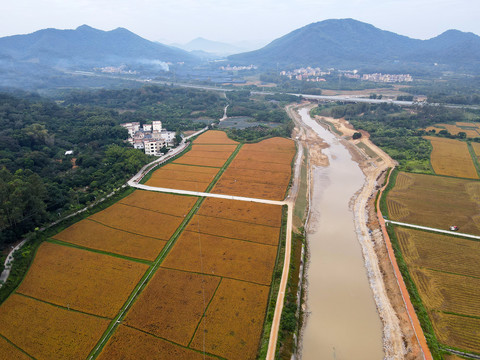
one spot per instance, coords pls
(88, 47)
(38, 181)
(351, 44)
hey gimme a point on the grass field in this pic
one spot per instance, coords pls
(49, 332)
(81, 280)
(428, 200)
(447, 277)
(451, 158)
(233, 322)
(172, 304)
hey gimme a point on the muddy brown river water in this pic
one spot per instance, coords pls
(342, 322)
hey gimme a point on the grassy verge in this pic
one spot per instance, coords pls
(272, 297)
(474, 157)
(417, 303)
(24, 256)
(292, 318)
(301, 202)
(390, 186)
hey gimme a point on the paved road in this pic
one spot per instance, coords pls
(8, 263)
(203, 194)
(453, 233)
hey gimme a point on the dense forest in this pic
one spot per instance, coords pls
(41, 181)
(398, 130)
(269, 108)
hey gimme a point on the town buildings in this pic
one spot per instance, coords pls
(150, 137)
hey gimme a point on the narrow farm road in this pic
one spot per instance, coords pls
(413, 226)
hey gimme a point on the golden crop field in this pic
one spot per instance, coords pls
(139, 221)
(222, 257)
(446, 292)
(130, 344)
(176, 205)
(470, 129)
(261, 176)
(188, 159)
(166, 174)
(249, 188)
(172, 304)
(10, 352)
(457, 331)
(179, 184)
(261, 160)
(452, 158)
(257, 213)
(197, 151)
(234, 320)
(233, 229)
(476, 148)
(439, 252)
(214, 148)
(447, 276)
(214, 137)
(428, 200)
(81, 280)
(93, 235)
(49, 332)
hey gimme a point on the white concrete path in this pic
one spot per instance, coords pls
(454, 233)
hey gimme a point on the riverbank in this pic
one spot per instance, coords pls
(400, 341)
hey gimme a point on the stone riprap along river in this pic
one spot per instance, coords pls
(342, 321)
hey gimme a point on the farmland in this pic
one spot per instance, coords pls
(173, 304)
(472, 130)
(93, 235)
(48, 332)
(10, 352)
(427, 200)
(451, 158)
(131, 344)
(165, 273)
(233, 322)
(81, 280)
(261, 170)
(446, 274)
(224, 257)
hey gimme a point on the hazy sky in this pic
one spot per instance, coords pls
(236, 20)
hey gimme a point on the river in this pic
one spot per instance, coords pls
(343, 323)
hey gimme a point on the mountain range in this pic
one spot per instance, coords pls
(351, 43)
(86, 46)
(40, 57)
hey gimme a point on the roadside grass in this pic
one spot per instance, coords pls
(292, 317)
(474, 157)
(372, 154)
(274, 288)
(301, 202)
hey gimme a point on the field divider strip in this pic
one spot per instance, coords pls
(143, 282)
(240, 221)
(16, 346)
(231, 238)
(215, 275)
(62, 307)
(450, 273)
(223, 168)
(107, 253)
(126, 231)
(204, 312)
